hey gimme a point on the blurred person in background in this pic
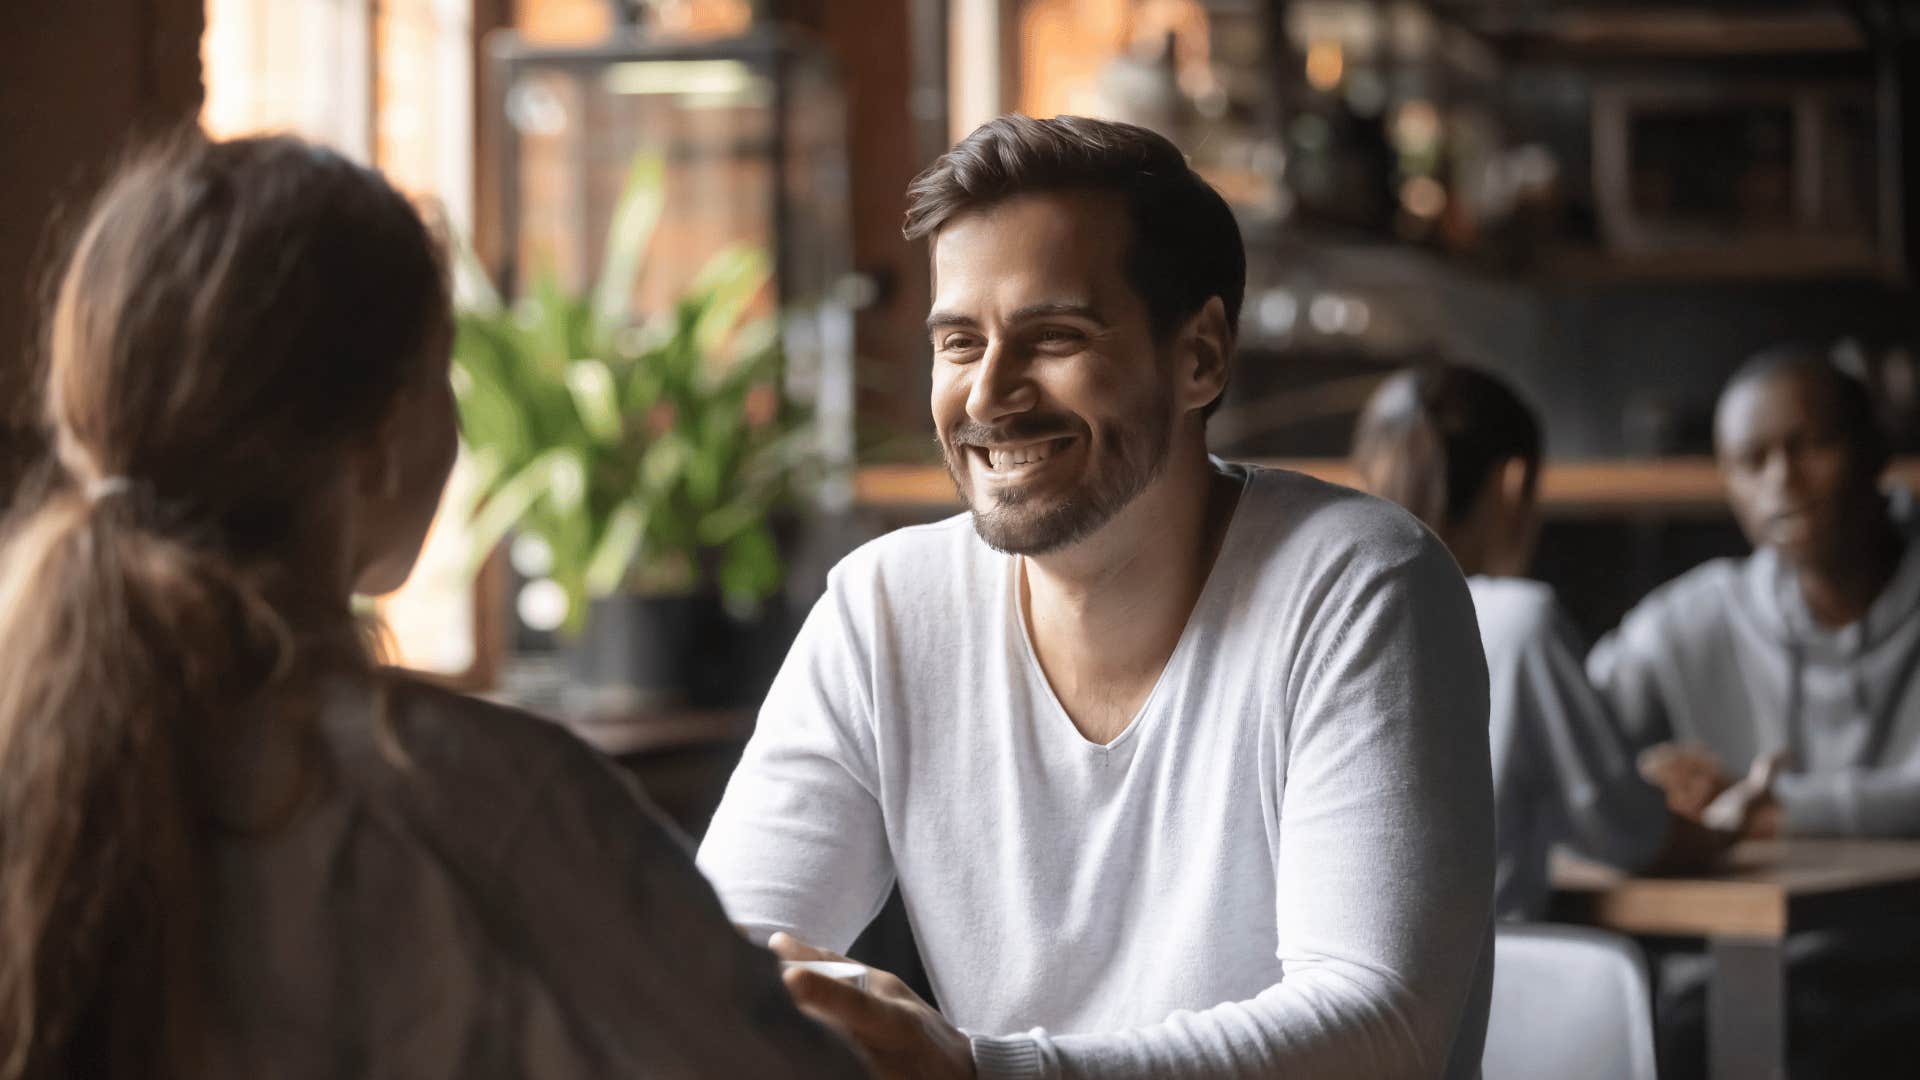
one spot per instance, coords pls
(1459, 448)
(1809, 649)
(1180, 766)
(230, 844)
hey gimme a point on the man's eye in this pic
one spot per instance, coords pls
(1057, 335)
(958, 343)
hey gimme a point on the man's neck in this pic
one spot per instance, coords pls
(1106, 614)
(1840, 593)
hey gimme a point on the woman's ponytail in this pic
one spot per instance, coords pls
(125, 649)
(236, 322)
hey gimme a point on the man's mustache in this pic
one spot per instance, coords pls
(1027, 427)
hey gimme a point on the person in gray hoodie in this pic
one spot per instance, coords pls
(1808, 649)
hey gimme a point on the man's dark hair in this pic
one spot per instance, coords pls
(1185, 248)
(1854, 414)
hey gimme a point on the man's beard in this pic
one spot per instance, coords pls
(1022, 522)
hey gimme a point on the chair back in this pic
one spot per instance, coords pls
(1570, 1003)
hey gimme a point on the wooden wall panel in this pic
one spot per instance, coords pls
(79, 84)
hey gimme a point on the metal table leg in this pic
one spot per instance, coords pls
(1746, 1010)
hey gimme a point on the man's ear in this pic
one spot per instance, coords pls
(1513, 483)
(1206, 351)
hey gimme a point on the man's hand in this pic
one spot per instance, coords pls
(1748, 807)
(901, 1035)
(1689, 775)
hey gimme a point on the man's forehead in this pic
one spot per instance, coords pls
(1058, 222)
(1775, 404)
(1066, 245)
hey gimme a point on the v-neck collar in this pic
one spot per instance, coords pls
(1181, 647)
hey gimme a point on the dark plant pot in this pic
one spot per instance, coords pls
(749, 652)
(641, 652)
(678, 651)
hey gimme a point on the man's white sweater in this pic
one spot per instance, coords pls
(1282, 866)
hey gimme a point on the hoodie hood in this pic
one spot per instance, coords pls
(1772, 596)
(1862, 679)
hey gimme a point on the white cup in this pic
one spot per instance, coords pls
(854, 975)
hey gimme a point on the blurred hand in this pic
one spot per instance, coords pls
(902, 1036)
(1748, 806)
(1688, 774)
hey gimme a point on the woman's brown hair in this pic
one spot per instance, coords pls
(1432, 437)
(236, 320)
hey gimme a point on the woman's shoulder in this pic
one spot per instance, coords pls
(446, 721)
(1520, 606)
(411, 723)
(464, 771)
(1522, 623)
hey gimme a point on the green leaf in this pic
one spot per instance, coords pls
(596, 399)
(510, 503)
(618, 547)
(757, 346)
(473, 288)
(566, 481)
(644, 385)
(635, 215)
(680, 354)
(729, 281)
(492, 420)
(728, 522)
(544, 317)
(751, 570)
(487, 346)
(704, 479)
(665, 461)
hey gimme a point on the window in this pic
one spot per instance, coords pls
(389, 83)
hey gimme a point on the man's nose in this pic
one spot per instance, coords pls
(1001, 386)
(1782, 472)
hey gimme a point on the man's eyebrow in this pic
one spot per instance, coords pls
(940, 319)
(943, 319)
(1069, 308)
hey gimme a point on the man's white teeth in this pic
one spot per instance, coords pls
(1019, 455)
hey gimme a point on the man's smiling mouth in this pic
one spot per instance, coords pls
(1009, 459)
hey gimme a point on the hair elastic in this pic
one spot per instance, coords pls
(106, 486)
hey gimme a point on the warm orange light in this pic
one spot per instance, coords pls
(1325, 65)
(1416, 126)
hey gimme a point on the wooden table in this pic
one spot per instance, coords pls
(660, 730)
(1673, 485)
(1745, 909)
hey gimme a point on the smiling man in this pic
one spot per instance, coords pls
(1181, 766)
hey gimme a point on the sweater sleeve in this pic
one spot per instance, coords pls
(798, 843)
(1384, 859)
(1878, 802)
(1624, 667)
(1613, 814)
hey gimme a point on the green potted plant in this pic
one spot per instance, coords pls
(648, 456)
